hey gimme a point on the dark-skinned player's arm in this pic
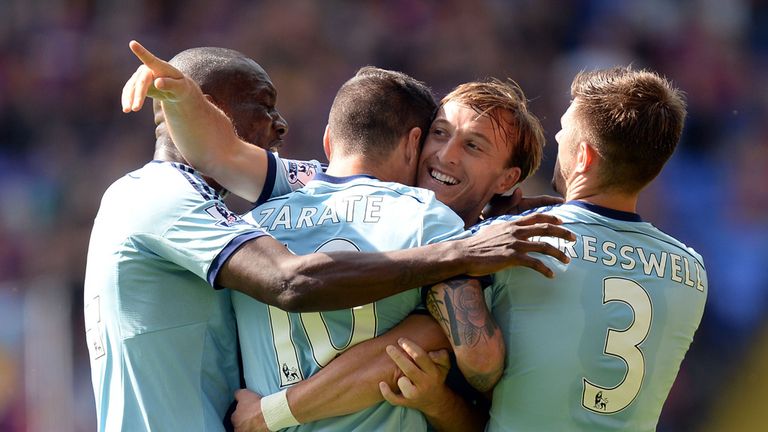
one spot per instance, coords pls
(265, 270)
(201, 131)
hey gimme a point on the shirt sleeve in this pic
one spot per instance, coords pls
(201, 236)
(440, 223)
(287, 175)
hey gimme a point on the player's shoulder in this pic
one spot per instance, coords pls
(418, 195)
(160, 187)
(625, 222)
(179, 180)
(550, 209)
(298, 172)
(662, 236)
(412, 194)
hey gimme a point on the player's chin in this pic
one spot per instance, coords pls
(275, 145)
(443, 192)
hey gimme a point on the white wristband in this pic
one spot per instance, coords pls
(277, 414)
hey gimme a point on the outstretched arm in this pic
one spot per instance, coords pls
(265, 270)
(201, 131)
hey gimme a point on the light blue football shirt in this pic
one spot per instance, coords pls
(162, 341)
(598, 347)
(330, 213)
(287, 175)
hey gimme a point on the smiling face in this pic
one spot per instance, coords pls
(465, 160)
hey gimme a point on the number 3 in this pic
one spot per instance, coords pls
(623, 344)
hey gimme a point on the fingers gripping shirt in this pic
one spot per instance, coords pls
(161, 339)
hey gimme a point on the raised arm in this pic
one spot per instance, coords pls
(264, 269)
(201, 131)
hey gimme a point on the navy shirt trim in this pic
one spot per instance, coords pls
(269, 184)
(340, 180)
(607, 212)
(228, 250)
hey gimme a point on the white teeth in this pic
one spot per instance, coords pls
(443, 177)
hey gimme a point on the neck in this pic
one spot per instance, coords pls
(590, 188)
(355, 165)
(612, 200)
(471, 218)
(165, 150)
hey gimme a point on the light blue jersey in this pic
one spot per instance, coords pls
(598, 347)
(287, 175)
(330, 214)
(161, 340)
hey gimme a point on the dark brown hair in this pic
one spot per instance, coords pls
(377, 107)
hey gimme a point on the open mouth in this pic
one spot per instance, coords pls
(443, 178)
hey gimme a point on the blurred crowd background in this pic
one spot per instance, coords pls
(64, 139)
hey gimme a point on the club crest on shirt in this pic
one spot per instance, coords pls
(299, 172)
(601, 402)
(223, 215)
(291, 374)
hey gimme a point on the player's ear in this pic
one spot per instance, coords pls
(213, 101)
(413, 145)
(586, 155)
(327, 143)
(509, 177)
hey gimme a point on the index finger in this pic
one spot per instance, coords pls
(404, 362)
(161, 68)
(419, 356)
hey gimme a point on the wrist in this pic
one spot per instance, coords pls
(276, 411)
(461, 255)
(444, 401)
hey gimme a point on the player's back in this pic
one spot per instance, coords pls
(331, 213)
(161, 339)
(598, 347)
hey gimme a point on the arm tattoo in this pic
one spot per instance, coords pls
(460, 308)
(483, 381)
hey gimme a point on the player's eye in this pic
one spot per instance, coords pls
(439, 132)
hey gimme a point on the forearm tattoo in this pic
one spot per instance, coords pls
(460, 309)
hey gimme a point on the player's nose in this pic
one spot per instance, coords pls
(279, 123)
(450, 152)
